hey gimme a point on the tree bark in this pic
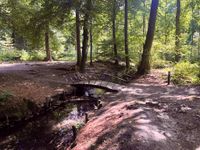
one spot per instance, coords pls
(114, 32)
(177, 38)
(126, 35)
(91, 45)
(199, 45)
(144, 19)
(166, 3)
(192, 30)
(85, 36)
(13, 37)
(78, 45)
(145, 66)
(47, 49)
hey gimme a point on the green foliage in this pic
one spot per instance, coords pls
(9, 55)
(37, 55)
(16, 55)
(159, 63)
(79, 125)
(185, 72)
(25, 55)
(23, 25)
(68, 55)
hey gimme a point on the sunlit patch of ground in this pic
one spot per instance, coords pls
(146, 114)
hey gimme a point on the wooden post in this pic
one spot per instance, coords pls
(86, 117)
(74, 133)
(169, 78)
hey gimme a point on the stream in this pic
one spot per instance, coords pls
(50, 131)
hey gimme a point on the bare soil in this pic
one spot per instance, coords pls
(35, 81)
(146, 115)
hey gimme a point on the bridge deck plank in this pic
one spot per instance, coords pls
(99, 84)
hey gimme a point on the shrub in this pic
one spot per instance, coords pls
(16, 55)
(25, 55)
(185, 72)
(159, 64)
(9, 55)
(37, 55)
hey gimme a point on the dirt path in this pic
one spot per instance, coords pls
(32, 80)
(37, 80)
(145, 115)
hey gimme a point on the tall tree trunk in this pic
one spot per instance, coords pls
(91, 45)
(114, 32)
(78, 45)
(85, 37)
(47, 49)
(126, 35)
(177, 38)
(145, 66)
(199, 45)
(166, 3)
(144, 19)
(192, 30)
(13, 37)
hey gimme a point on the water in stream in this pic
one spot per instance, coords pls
(49, 132)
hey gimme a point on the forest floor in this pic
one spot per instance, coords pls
(25, 86)
(37, 80)
(145, 114)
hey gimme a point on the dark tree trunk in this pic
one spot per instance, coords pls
(126, 35)
(85, 37)
(114, 32)
(145, 66)
(47, 49)
(18, 41)
(91, 45)
(177, 38)
(13, 37)
(78, 45)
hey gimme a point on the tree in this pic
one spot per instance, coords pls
(166, 3)
(78, 45)
(145, 66)
(91, 44)
(144, 19)
(85, 35)
(126, 35)
(114, 32)
(177, 37)
(47, 48)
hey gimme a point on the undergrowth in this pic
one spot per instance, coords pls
(186, 73)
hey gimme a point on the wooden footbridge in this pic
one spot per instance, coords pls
(99, 84)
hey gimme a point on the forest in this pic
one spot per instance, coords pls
(100, 74)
